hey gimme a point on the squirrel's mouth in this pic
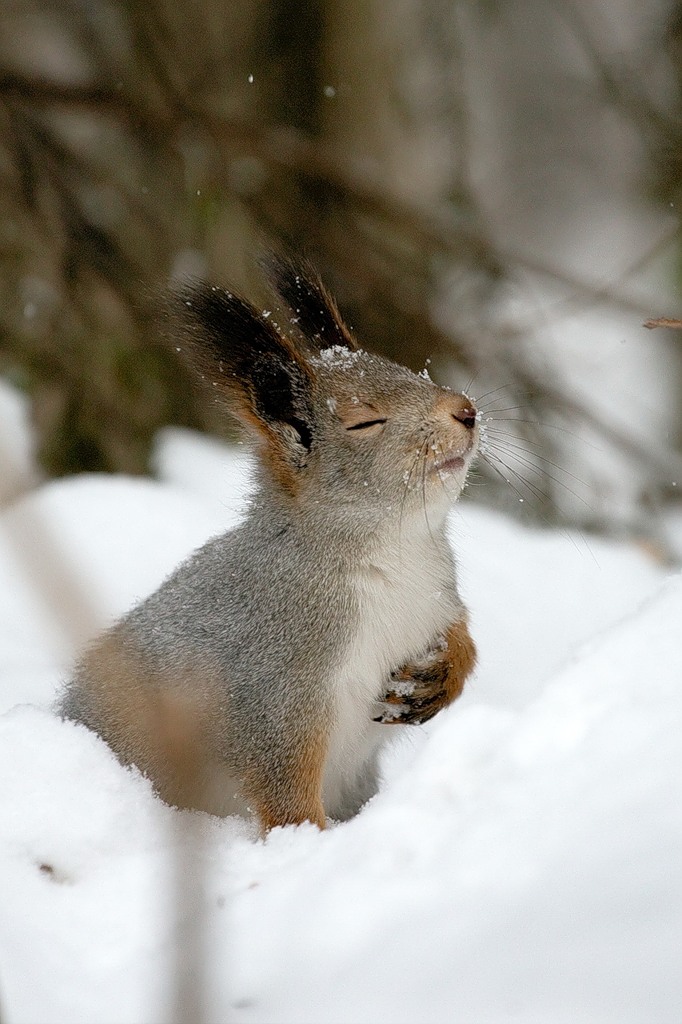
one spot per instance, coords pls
(452, 464)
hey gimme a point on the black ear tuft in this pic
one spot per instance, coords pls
(316, 313)
(241, 353)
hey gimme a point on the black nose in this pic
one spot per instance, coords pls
(466, 416)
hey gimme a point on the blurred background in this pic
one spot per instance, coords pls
(492, 187)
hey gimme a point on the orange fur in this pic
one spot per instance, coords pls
(294, 794)
(161, 723)
(460, 657)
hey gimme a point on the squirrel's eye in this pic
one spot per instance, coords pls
(367, 424)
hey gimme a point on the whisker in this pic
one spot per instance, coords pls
(516, 440)
(407, 488)
(540, 496)
(493, 412)
(498, 449)
(544, 472)
(530, 486)
(493, 432)
(506, 445)
(493, 392)
(488, 461)
(545, 426)
(424, 456)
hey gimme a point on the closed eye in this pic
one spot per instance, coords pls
(366, 424)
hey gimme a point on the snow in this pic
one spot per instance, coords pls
(520, 864)
(338, 356)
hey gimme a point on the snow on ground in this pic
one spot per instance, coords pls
(521, 862)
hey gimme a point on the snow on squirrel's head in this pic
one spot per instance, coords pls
(334, 426)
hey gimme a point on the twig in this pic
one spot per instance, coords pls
(662, 321)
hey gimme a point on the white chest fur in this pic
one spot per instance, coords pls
(406, 597)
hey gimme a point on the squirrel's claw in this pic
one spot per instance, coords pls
(400, 710)
(418, 693)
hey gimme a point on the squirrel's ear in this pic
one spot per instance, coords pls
(243, 356)
(316, 314)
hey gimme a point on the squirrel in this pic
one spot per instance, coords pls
(280, 652)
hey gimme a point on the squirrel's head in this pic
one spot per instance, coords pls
(336, 427)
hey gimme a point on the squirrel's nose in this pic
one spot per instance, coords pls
(467, 417)
(464, 411)
(451, 406)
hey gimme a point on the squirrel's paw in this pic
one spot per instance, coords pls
(418, 692)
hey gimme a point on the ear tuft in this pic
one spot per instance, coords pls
(316, 314)
(242, 354)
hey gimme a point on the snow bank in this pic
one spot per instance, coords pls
(520, 864)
